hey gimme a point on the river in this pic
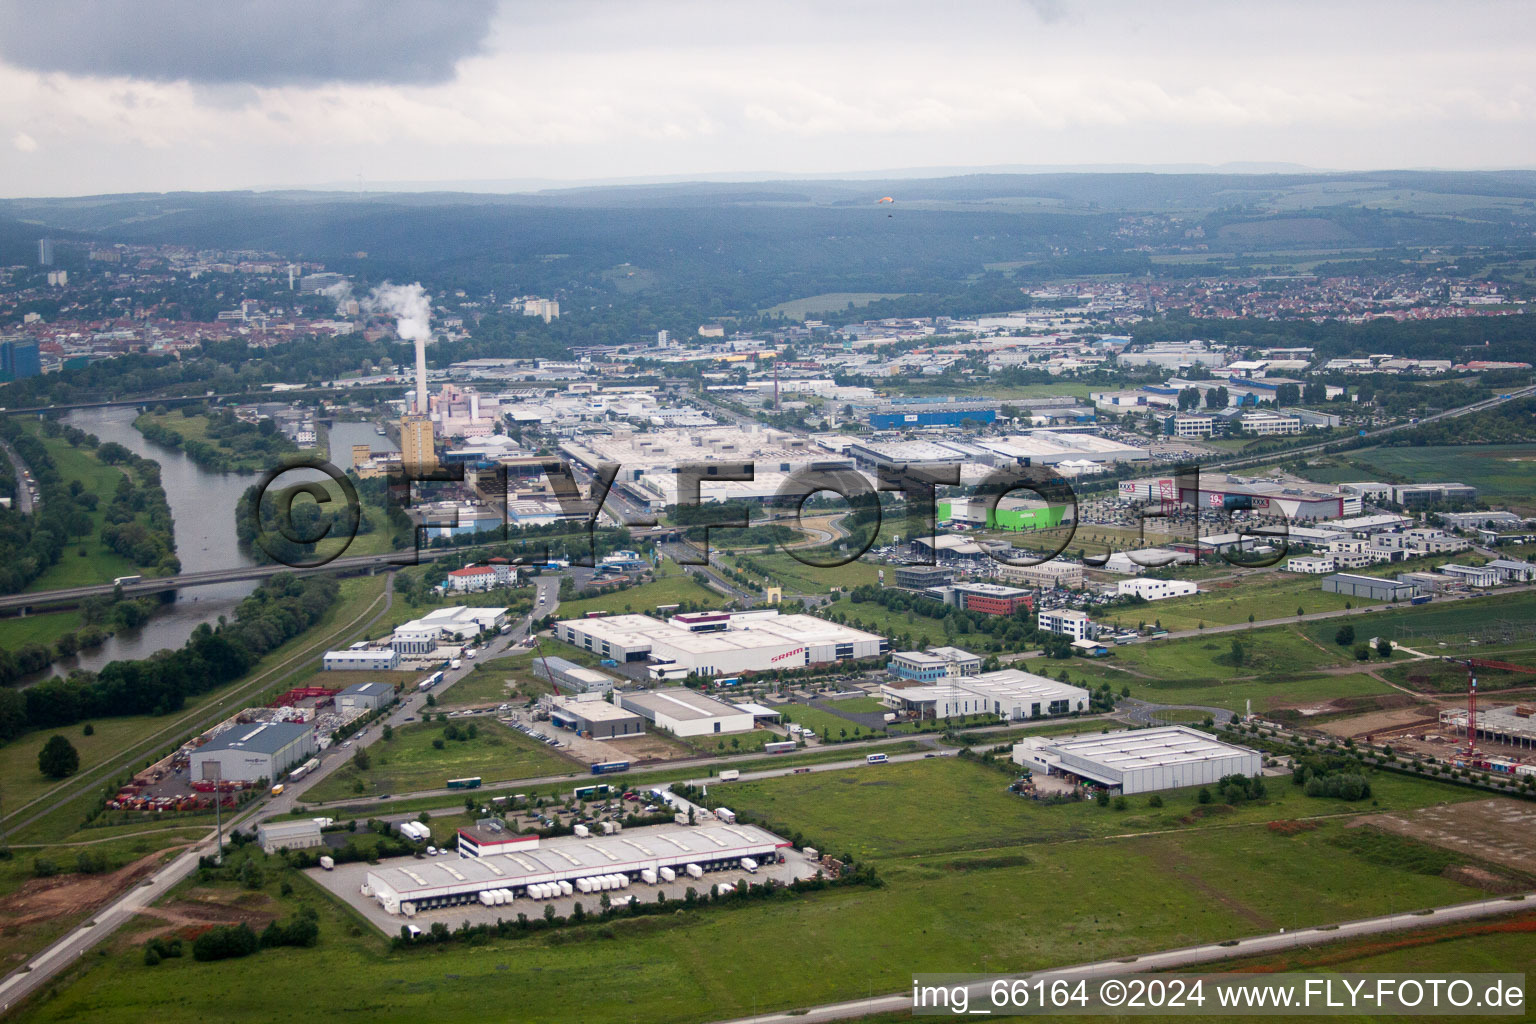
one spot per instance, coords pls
(203, 506)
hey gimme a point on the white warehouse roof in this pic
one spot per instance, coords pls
(1142, 760)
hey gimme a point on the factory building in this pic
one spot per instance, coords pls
(592, 716)
(362, 660)
(288, 835)
(1009, 693)
(571, 677)
(453, 625)
(934, 664)
(409, 886)
(684, 712)
(1155, 590)
(361, 698)
(1140, 760)
(1372, 588)
(721, 643)
(246, 753)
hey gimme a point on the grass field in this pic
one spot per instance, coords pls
(878, 619)
(1449, 621)
(644, 599)
(1265, 692)
(951, 805)
(827, 302)
(1269, 595)
(959, 857)
(503, 679)
(86, 560)
(822, 721)
(409, 762)
(1500, 472)
(1269, 650)
(798, 578)
(38, 628)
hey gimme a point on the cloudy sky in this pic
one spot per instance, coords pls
(159, 95)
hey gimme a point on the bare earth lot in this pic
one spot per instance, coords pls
(1498, 830)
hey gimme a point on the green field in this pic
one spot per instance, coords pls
(959, 858)
(822, 721)
(1274, 649)
(952, 805)
(796, 577)
(644, 598)
(827, 302)
(1448, 621)
(85, 560)
(38, 628)
(1270, 595)
(409, 762)
(1501, 472)
(501, 679)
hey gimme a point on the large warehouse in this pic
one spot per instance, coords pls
(721, 643)
(1233, 494)
(1009, 693)
(247, 753)
(684, 712)
(1140, 760)
(407, 886)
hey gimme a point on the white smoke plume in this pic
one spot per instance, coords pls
(409, 304)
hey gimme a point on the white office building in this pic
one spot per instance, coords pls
(1155, 590)
(1069, 622)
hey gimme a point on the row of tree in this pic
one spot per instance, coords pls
(280, 609)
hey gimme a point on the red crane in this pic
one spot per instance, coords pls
(1473, 664)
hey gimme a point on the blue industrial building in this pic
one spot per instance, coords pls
(926, 411)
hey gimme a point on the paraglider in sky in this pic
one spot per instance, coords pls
(887, 199)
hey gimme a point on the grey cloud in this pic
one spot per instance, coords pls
(270, 42)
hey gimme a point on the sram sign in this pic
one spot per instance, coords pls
(787, 654)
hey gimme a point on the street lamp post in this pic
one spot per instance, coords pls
(218, 810)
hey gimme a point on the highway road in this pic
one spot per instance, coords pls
(1338, 445)
(1172, 959)
(24, 481)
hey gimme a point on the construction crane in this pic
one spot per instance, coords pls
(1472, 665)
